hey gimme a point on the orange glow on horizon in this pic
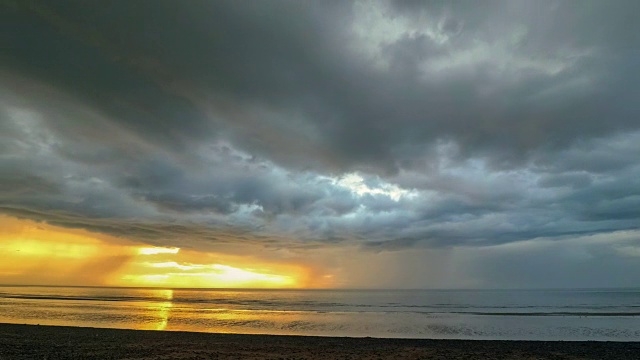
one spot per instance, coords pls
(41, 254)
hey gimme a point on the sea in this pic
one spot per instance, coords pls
(582, 314)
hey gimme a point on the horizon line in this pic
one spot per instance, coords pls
(315, 289)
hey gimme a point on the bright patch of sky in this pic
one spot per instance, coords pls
(359, 186)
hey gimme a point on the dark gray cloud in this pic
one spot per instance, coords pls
(359, 82)
(382, 125)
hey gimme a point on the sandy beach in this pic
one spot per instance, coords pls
(57, 342)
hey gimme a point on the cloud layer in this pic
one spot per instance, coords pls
(379, 125)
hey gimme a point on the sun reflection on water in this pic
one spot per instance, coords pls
(158, 311)
(165, 310)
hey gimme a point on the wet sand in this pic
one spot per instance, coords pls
(58, 342)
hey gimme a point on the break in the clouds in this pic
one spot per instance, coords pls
(505, 129)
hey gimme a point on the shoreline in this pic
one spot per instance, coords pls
(19, 341)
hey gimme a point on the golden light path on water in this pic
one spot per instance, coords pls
(164, 309)
(166, 313)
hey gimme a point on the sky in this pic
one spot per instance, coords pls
(321, 144)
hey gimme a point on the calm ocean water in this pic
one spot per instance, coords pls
(603, 314)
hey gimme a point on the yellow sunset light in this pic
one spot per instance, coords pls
(235, 275)
(208, 275)
(39, 253)
(25, 247)
(173, 264)
(158, 250)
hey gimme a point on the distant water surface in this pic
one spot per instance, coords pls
(593, 314)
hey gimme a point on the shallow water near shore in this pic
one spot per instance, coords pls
(588, 314)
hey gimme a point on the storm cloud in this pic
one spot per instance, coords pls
(381, 125)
